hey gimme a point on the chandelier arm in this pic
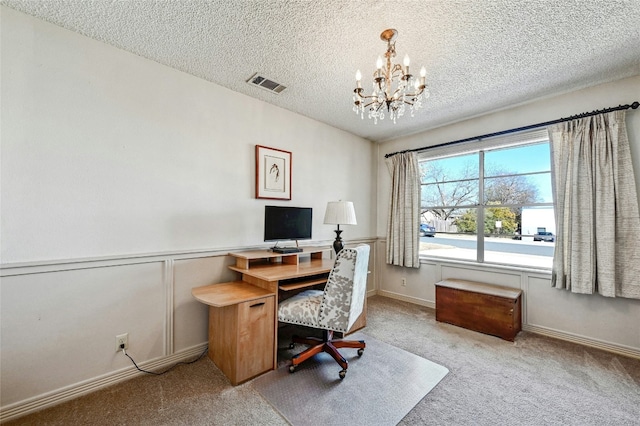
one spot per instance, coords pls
(414, 95)
(376, 105)
(370, 103)
(367, 105)
(368, 96)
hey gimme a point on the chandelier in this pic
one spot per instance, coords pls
(394, 88)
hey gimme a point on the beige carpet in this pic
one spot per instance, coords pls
(533, 381)
(380, 388)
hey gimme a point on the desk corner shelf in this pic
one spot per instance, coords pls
(247, 259)
(269, 270)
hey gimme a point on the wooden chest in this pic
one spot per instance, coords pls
(480, 307)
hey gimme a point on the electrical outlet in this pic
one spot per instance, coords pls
(122, 339)
(404, 282)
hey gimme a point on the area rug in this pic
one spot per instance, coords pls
(380, 387)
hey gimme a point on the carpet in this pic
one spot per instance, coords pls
(380, 388)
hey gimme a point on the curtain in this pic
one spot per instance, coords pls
(597, 220)
(403, 242)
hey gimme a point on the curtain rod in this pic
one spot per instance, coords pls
(634, 105)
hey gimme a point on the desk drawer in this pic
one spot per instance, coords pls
(242, 338)
(255, 337)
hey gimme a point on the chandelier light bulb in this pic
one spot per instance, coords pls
(394, 88)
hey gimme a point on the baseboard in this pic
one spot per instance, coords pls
(67, 393)
(585, 341)
(405, 298)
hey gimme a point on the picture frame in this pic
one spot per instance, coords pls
(273, 173)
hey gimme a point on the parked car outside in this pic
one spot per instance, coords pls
(544, 236)
(427, 230)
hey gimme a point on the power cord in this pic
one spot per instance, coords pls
(124, 351)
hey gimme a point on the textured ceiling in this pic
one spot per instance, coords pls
(480, 55)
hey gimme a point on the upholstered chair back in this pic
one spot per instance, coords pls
(344, 294)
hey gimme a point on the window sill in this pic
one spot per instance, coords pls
(486, 265)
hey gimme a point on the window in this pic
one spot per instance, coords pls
(502, 188)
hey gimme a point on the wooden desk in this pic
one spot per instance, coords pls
(265, 275)
(283, 271)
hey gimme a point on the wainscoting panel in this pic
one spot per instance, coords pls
(190, 317)
(607, 323)
(406, 284)
(59, 328)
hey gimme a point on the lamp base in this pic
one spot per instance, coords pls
(337, 244)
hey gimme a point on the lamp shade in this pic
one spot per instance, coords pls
(340, 213)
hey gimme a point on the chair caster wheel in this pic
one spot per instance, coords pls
(292, 368)
(360, 352)
(342, 374)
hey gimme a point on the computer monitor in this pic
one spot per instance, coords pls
(287, 223)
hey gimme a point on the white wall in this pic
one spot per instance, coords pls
(611, 324)
(141, 178)
(106, 153)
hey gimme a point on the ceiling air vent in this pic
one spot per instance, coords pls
(265, 83)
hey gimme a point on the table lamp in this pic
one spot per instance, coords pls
(339, 213)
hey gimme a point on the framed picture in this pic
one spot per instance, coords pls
(273, 173)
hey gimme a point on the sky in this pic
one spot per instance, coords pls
(518, 159)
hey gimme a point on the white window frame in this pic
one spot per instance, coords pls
(480, 147)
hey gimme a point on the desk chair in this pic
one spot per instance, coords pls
(334, 309)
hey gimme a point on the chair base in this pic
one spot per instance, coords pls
(326, 344)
